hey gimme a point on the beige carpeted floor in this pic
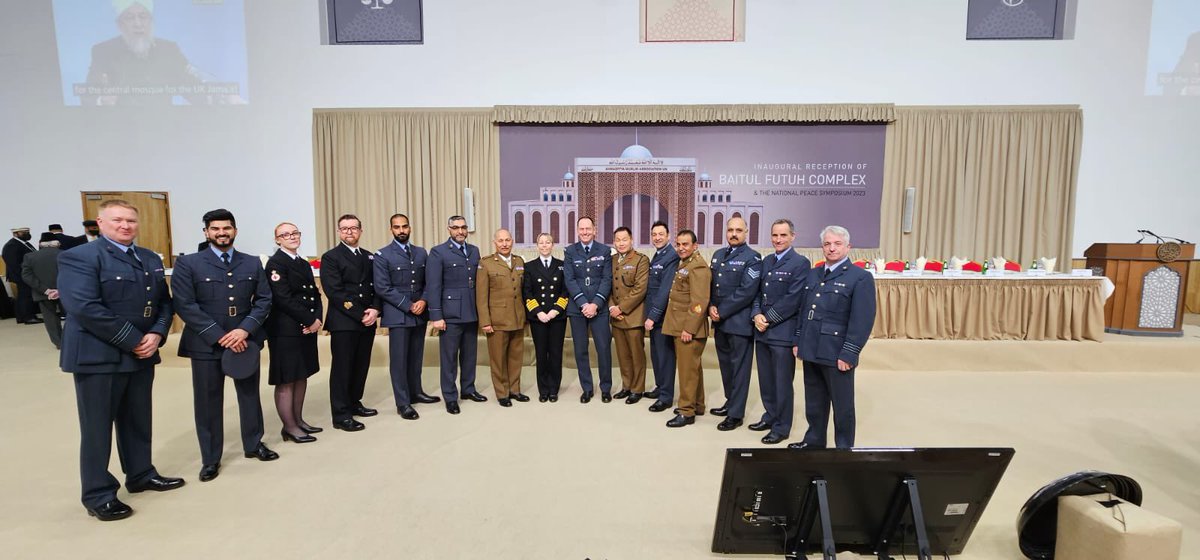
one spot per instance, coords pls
(576, 481)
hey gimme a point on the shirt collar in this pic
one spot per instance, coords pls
(352, 249)
(829, 266)
(402, 245)
(219, 252)
(123, 248)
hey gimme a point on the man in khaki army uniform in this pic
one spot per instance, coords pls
(687, 322)
(627, 314)
(502, 316)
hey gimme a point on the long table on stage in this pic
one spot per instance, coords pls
(1001, 307)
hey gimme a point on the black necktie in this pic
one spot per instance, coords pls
(587, 249)
(224, 257)
(132, 254)
(463, 248)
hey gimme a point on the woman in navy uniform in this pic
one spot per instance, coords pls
(545, 295)
(292, 329)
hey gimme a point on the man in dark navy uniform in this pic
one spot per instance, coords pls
(450, 288)
(118, 314)
(400, 283)
(836, 318)
(735, 275)
(348, 280)
(663, 263)
(223, 297)
(774, 313)
(587, 272)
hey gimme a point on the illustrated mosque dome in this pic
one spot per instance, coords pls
(636, 151)
(569, 176)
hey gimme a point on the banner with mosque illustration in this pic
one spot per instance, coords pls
(693, 177)
(687, 21)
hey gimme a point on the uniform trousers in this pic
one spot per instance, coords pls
(459, 348)
(691, 376)
(350, 359)
(631, 355)
(548, 341)
(406, 350)
(602, 334)
(54, 329)
(105, 400)
(825, 386)
(735, 356)
(505, 352)
(662, 360)
(776, 372)
(208, 392)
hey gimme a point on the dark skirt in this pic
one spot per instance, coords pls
(293, 358)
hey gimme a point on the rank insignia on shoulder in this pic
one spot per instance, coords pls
(348, 305)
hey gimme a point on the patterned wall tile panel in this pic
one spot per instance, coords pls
(681, 21)
(1160, 299)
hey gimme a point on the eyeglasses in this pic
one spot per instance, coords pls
(289, 235)
(349, 229)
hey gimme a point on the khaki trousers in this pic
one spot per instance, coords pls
(631, 354)
(691, 376)
(505, 350)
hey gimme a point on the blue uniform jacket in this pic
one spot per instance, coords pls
(836, 316)
(588, 277)
(779, 296)
(658, 290)
(399, 281)
(112, 301)
(450, 283)
(735, 280)
(213, 300)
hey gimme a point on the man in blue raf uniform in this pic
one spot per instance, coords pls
(348, 279)
(400, 283)
(223, 298)
(662, 348)
(450, 289)
(735, 276)
(118, 313)
(587, 272)
(836, 318)
(774, 312)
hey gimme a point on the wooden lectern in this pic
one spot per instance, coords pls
(1150, 281)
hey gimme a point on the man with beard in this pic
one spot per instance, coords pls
(658, 290)
(223, 297)
(736, 270)
(450, 288)
(587, 272)
(91, 231)
(348, 279)
(14, 256)
(400, 283)
(135, 67)
(502, 318)
(687, 324)
(118, 314)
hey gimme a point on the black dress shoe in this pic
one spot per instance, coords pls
(585, 398)
(111, 511)
(722, 411)
(659, 406)
(156, 483)
(543, 398)
(407, 412)
(804, 445)
(772, 438)
(364, 411)
(311, 429)
(633, 398)
(262, 453)
(520, 397)
(452, 407)
(349, 425)
(209, 472)
(651, 394)
(553, 398)
(505, 402)
(605, 397)
(38, 322)
(475, 397)
(680, 421)
(426, 399)
(298, 439)
(759, 426)
(622, 394)
(729, 424)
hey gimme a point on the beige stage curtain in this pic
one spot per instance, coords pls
(978, 309)
(377, 162)
(699, 114)
(991, 182)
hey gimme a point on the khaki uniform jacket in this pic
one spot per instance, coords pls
(498, 293)
(687, 306)
(630, 280)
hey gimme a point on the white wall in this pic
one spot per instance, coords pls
(1139, 164)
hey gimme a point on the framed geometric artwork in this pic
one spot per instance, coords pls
(691, 21)
(374, 22)
(1015, 19)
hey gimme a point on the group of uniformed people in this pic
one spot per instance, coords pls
(119, 309)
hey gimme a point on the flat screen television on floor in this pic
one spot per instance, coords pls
(909, 501)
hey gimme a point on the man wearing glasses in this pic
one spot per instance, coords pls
(450, 291)
(348, 279)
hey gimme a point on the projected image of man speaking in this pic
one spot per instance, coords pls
(138, 68)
